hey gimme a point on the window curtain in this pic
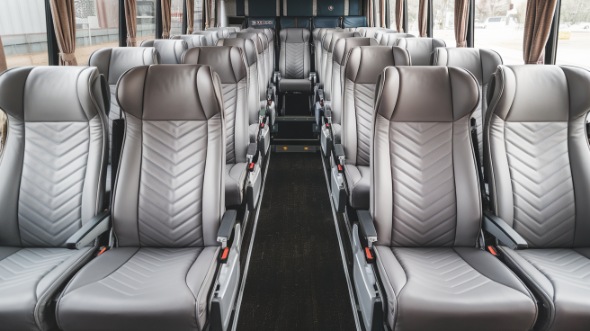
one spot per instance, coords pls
(3, 64)
(190, 16)
(166, 18)
(537, 26)
(461, 13)
(399, 15)
(209, 13)
(382, 11)
(370, 13)
(423, 18)
(64, 23)
(131, 22)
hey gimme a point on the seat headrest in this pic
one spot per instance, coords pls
(170, 50)
(366, 63)
(227, 61)
(339, 35)
(51, 94)
(170, 92)
(246, 45)
(211, 36)
(294, 35)
(426, 94)
(420, 49)
(264, 38)
(482, 63)
(192, 40)
(390, 38)
(531, 93)
(113, 62)
(345, 45)
(256, 38)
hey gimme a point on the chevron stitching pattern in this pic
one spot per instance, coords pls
(424, 210)
(439, 270)
(149, 269)
(364, 95)
(230, 101)
(54, 169)
(28, 266)
(170, 194)
(564, 267)
(544, 203)
(294, 60)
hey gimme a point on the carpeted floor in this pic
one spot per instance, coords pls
(296, 279)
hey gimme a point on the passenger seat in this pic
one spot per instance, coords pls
(294, 64)
(211, 36)
(391, 38)
(192, 40)
(169, 50)
(420, 49)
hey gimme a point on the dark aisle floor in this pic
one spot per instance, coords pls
(295, 279)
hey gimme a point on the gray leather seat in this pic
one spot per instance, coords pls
(270, 54)
(538, 165)
(266, 60)
(482, 63)
(390, 38)
(328, 43)
(230, 64)
(258, 43)
(211, 36)
(192, 40)
(369, 32)
(167, 205)
(169, 50)
(362, 70)
(318, 35)
(224, 32)
(112, 63)
(420, 49)
(52, 173)
(378, 35)
(427, 211)
(294, 63)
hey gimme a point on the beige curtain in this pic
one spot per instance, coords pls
(131, 22)
(64, 23)
(3, 65)
(370, 13)
(423, 18)
(399, 15)
(166, 18)
(537, 25)
(209, 13)
(190, 16)
(461, 14)
(382, 11)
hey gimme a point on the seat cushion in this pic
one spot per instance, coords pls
(358, 179)
(29, 278)
(295, 85)
(140, 289)
(235, 177)
(561, 277)
(452, 289)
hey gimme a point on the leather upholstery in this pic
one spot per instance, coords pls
(328, 44)
(420, 49)
(268, 46)
(427, 211)
(351, 21)
(167, 204)
(390, 38)
(482, 63)
(52, 172)
(224, 32)
(294, 63)
(112, 63)
(211, 36)
(536, 153)
(260, 60)
(318, 34)
(193, 40)
(230, 64)
(369, 32)
(362, 70)
(169, 50)
(325, 22)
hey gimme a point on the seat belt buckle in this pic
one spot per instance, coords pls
(369, 255)
(251, 166)
(492, 250)
(102, 250)
(224, 255)
(340, 168)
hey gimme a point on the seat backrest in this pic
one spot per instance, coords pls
(328, 50)
(53, 165)
(482, 63)
(369, 32)
(390, 38)
(354, 21)
(169, 50)
(267, 44)
(378, 35)
(211, 35)
(249, 50)
(258, 42)
(230, 64)
(114, 62)
(224, 31)
(363, 67)
(424, 182)
(173, 152)
(318, 35)
(341, 50)
(192, 40)
(420, 49)
(325, 22)
(294, 61)
(270, 35)
(295, 22)
(537, 154)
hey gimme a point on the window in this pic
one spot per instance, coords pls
(413, 17)
(146, 20)
(24, 33)
(198, 15)
(443, 25)
(574, 33)
(97, 26)
(499, 25)
(392, 4)
(176, 10)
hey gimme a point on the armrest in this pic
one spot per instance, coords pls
(226, 227)
(367, 227)
(96, 226)
(252, 153)
(339, 154)
(498, 228)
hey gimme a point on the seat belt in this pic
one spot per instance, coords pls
(482, 185)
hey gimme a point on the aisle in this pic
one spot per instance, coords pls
(295, 279)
